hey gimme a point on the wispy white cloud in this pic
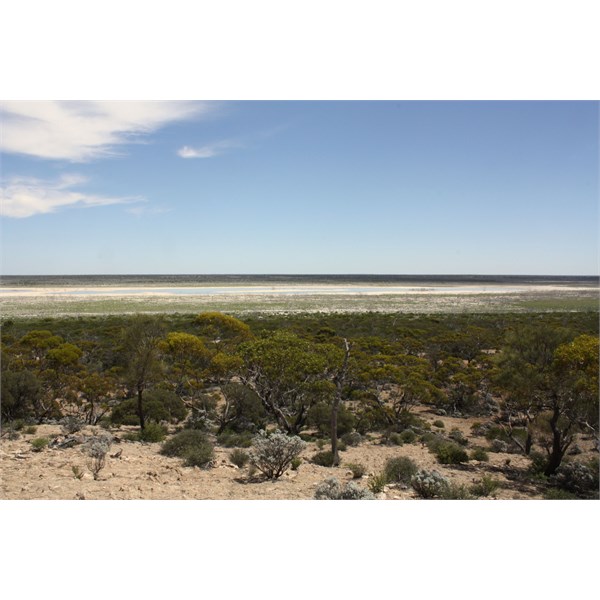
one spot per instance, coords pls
(81, 131)
(26, 197)
(142, 210)
(209, 150)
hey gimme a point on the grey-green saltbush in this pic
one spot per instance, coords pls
(331, 489)
(429, 484)
(272, 454)
(97, 449)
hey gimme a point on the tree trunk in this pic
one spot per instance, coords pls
(528, 443)
(140, 407)
(557, 453)
(339, 381)
(334, 428)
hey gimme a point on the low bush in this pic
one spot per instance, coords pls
(72, 425)
(323, 459)
(577, 478)
(233, 439)
(358, 470)
(479, 454)
(77, 471)
(400, 470)
(97, 449)
(394, 439)
(38, 444)
(239, 458)
(456, 491)
(30, 430)
(296, 462)
(450, 453)
(439, 424)
(456, 435)
(433, 441)
(272, 454)
(352, 438)
(192, 445)
(485, 487)
(408, 436)
(199, 457)
(152, 432)
(378, 482)
(538, 463)
(559, 494)
(498, 445)
(429, 484)
(331, 489)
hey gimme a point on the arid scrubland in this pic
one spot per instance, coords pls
(347, 406)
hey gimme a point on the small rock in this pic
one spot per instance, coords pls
(79, 496)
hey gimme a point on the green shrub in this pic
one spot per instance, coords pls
(30, 430)
(485, 487)
(559, 494)
(538, 463)
(479, 454)
(439, 424)
(331, 489)
(429, 484)
(39, 443)
(378, 482)
(191, 445)
(434, 441)
(152, 432)
(393, 439)
(455, 491)
(72, 425)
(456, 435)
(358, 470)
(323, 459)
(159, 405)
(17, 424)
(233, 439)
(319, 416)
(296, 462)
(352, 438)
(199, 457)
(272, 454)
(400, 469)
(239, 458)
(245, 410)
(408, 436)
(450, 453)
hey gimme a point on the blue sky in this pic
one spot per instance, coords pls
(300, 187)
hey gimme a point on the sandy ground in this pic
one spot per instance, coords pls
(142, 473)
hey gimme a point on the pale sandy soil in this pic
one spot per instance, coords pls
(142, 473)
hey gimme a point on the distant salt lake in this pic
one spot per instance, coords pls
(286, 290)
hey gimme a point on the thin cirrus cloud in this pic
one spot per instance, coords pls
(26, 197)
(87, 130)
(208, 150)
